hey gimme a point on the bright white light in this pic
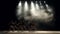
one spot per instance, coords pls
(19, 3)
(26, 9)
(35, 32)
(19, 8)
(36, 13)
(32, 6)
(47, 5)
(49, 9)
(26, 6)
(37, 6)
(39, 14)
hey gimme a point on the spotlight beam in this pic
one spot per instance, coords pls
(19, 9)
(37, 6)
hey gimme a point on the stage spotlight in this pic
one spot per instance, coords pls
(19, 9)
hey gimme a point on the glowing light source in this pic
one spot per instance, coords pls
(49, 9)
(37, 12)
(20, 4)
(26, 6)
(37, 6)
(19, 9)
(32, 6)
(34, 11)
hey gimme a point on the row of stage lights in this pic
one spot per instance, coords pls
(37, 5)
(35, 8)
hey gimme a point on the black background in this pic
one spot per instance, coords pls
(8, 8)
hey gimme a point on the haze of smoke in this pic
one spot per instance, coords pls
(37, 12)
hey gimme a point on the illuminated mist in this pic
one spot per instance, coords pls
(37, 11)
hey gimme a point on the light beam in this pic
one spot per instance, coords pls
(37, 6)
